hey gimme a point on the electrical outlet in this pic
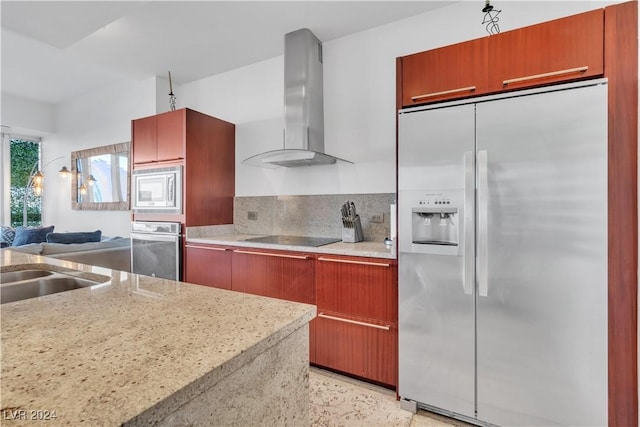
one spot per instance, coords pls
(253, 216)
(377, 218)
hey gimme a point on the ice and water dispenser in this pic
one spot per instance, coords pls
(436, 226)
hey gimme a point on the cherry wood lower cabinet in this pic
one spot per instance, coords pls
(367, 349)
(357, 324)
(356, 331)
(208, 265)
(277, 274)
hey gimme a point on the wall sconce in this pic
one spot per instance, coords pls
(92, 180)
(82, 189)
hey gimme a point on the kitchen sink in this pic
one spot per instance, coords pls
(16, 276)
(25, 284)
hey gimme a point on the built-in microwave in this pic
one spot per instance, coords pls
(157, 190)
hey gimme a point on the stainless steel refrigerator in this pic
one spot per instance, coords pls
(502, 219)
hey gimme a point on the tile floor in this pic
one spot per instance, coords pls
(338, 401)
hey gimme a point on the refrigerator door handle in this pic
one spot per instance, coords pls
(483, 190)
(469, 188)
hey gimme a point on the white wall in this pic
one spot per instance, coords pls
(99, 118)
(26, 116)
(359, 96)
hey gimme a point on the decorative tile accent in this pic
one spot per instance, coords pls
(317, 216)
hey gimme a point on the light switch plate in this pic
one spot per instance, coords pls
(377, 218)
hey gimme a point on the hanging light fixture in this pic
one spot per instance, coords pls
(38, 179)
(64, 172)
(491, 19)
(83, 189)
(172, 97)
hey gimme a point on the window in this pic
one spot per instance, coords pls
(25, 161)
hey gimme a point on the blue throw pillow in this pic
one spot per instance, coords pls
(78, 237)
(7, 234)
(26, 235)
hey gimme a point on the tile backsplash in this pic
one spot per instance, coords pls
(317, 215)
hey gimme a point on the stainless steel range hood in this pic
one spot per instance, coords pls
(303, 107)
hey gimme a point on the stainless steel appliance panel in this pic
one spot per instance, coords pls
(436, 302)
(157, 190)
(156, 249)
(542, 259)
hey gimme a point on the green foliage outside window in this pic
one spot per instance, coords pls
(24, 154)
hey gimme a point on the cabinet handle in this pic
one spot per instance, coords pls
(239, 251)
(355, 322)
(543, 75)
(159, 161)
(209, 248)
(350, 261)
(446, 92)
(146, 163)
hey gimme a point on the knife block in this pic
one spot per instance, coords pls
(352, 230)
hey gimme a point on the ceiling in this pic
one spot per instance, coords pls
(55, 50)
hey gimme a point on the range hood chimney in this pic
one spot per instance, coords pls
(303, 107)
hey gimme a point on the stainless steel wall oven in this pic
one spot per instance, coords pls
(156, 249)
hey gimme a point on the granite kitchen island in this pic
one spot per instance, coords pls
(137, 350)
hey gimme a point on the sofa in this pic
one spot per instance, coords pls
(113, 253)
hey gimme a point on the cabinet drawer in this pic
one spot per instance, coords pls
(362, 287)
(284, 275)
(564, 49)
(449, 72)
(362, 348)
(208, 265)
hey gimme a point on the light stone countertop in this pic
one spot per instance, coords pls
(363, 249)
(134, 345)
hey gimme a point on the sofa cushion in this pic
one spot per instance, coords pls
(7, 234)
(25, 235)
(58, 248)
(31, 248)
(75, 237)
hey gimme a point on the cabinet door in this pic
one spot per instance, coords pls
(208, 265)
(362, 287)
(284, 275)
(171, 135)
(449, 72)
(356, 329)
(143, 137)
(366, 349)
(560, 50)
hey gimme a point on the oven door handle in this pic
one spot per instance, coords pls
(150, 237)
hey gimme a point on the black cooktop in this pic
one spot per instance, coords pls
(294, 240)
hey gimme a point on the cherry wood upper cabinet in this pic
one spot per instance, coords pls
(171, 135)
(448, 72)
(205, 147)
(144, 147)
(159, 138)
(561, 50)
(208, 265)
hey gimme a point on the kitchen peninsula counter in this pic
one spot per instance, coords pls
(363, 249)
(139, 350)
